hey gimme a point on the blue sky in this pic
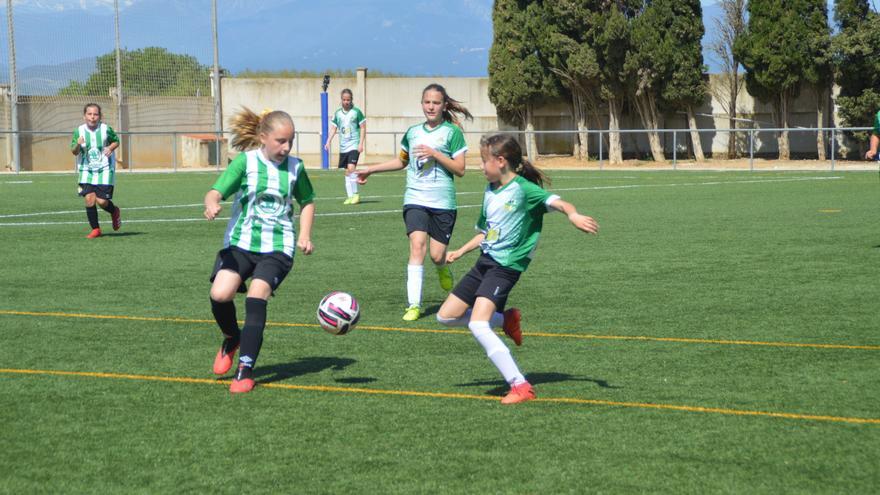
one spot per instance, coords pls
(413, 37)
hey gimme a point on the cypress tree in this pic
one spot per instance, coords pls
(518, 81)
(856, 63)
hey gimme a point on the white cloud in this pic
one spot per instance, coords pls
(471, 50)
(387, 23)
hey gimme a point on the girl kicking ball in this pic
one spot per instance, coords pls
(514, 204)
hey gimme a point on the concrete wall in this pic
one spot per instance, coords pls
(391, 106)
(48, 122)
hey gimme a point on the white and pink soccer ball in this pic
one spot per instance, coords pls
(338, 312)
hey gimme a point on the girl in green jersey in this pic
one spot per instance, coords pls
(260, 237)
(433, 154)
(93, 145)
(514, 204)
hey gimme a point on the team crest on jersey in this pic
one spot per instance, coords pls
(269, 206)
(96, 158)
(510, 205)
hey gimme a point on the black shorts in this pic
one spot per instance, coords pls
(437, 223)
(487, 279)
(268, 267)
(349, 158)
(103, 192)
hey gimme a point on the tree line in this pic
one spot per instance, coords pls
(605, 56)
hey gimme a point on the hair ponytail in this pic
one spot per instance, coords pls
(247, 126)
(506, 146)
(454, 109)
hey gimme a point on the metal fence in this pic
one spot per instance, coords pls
(164, 150)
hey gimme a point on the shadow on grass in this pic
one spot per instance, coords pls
(120, 234)
(304, 366)
(536, 379)
(430, 310)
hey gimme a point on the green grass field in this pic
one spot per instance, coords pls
(719, 335)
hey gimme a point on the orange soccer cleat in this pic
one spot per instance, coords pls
(243, 381)
(519, 393)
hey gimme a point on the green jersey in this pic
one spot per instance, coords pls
(511, 219)
(877, 124)
(262, 213)
(428, 183)
(92, 166)
(348, 124)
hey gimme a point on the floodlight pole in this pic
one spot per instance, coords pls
(119, 93)
(325, 153)
(215, 84)
(13, 91)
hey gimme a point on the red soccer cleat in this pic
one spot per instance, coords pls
(512, 317)
(243, 381)
(94, 233)
(519, 393)
(223, 360)
(117, 222)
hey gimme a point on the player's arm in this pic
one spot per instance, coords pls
(389, 166)
(76, 143)
(113, 139)
(304, 235)
(304, 194)
(581, 222)
(469, 246)
(330, 137)
(212, 204)
(872, 151)
(363, 142)
(454, 165)
(228, 182)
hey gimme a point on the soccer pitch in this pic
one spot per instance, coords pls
(718, 335)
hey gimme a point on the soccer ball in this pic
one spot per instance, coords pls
(338, 313)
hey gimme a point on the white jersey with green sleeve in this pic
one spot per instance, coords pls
(262, 213)
(876, 130)
(92, 166)
(511, 219)
(348, 124)
(428, 183)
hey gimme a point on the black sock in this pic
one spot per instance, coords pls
(224, 314)
(109, 207)
(92, 215)
(252, 333)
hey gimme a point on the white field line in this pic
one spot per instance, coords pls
(375, 212)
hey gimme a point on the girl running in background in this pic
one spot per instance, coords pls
(433, 153)
(350, 122)
(260, 236)
(93, 144)
(509, 225)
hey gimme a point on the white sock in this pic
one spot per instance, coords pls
(498, 353)
(497, 320)
(348, 186)
(352, 179)
(414, 284)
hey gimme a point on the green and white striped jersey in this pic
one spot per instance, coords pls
(877, 124)
(428, 183)
(511, 218)
(262, 213)
(91, 164)
(348, 124)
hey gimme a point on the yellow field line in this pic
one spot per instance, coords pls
(439, 395)
(463, 332)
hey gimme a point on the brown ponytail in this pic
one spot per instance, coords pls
(505, 145)
(247, 126)
(454, 109)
